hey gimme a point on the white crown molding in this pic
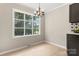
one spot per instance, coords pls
(57, 7)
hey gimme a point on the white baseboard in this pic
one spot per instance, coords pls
(56, 45)
(38, 42)
(16, 49)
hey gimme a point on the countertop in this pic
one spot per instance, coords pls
(73, 33)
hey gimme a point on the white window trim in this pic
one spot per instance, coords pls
(13, 22)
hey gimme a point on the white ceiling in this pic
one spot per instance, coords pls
(46, 6)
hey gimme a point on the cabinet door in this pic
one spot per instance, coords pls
(74, 13)
(77, 44)
(72, 45)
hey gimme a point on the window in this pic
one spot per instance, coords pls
(25, 24)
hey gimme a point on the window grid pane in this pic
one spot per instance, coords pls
(35, 25)
(19, 32)
(19, 15)
(28, 25)
(35, 31)
(28, 31)
(19, 23)
(28, 17)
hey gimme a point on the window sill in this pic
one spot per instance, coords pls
(26, 36)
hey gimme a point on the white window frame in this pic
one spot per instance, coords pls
(13, 23)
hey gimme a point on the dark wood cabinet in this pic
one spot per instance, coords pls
(74, 13)
(72, 45)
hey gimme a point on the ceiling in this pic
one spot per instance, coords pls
(46, 6)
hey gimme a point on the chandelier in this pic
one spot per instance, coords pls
(39, 11)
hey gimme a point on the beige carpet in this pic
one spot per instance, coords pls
(43, 49)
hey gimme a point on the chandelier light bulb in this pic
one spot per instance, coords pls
(34, 12)
(42, 10)
(37, 9)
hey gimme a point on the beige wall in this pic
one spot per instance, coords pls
(57, 25)
(6, 39)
